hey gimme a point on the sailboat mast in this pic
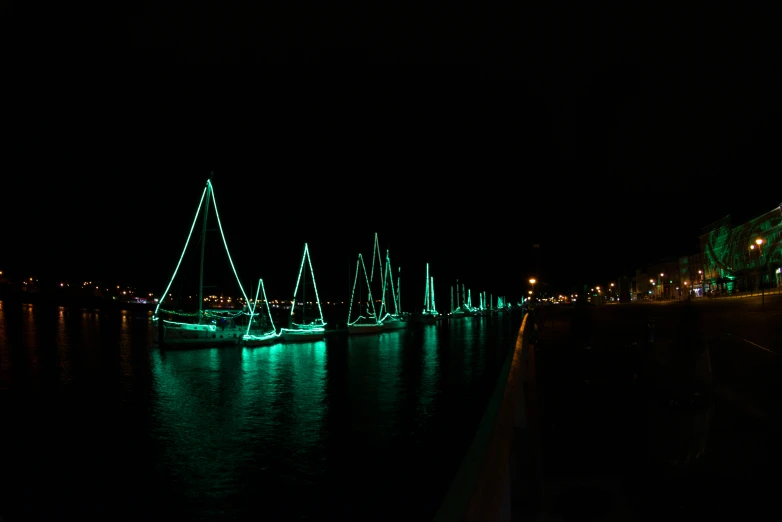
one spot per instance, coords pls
(383, 291)
(451, 298)
(399, 289)
(398, 304)
(426, 296)
(203, 252)
(431, 288)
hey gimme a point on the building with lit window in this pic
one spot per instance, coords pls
(740, 258)
(659, 280)
(692, 276)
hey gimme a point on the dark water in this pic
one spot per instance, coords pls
(97, 423)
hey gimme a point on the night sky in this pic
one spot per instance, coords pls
(610, 149)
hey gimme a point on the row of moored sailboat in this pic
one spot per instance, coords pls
(254, 325)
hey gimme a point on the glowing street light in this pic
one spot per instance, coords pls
(532, 281)
(759, 242)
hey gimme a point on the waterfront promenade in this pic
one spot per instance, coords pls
(638, 411)
(656, 410)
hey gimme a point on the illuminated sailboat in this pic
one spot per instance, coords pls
(304, 330)
(395, 320)
(366, 319)
(202, 326)
(429, 314)
(462, 308)
(260, 330)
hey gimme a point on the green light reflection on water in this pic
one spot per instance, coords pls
(430, 369)
(375, 386)
(468, 338)
(223, 413)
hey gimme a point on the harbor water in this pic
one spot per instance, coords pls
(97, 423)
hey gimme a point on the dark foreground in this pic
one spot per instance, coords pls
(684, 422)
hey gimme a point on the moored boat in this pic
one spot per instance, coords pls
(309, 328)
(429, 315)
(203, 326)
(260, 330)
(366, 321)
(395, 320)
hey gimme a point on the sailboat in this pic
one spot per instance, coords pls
(260, 330)
(205, 326)
(363, 324)
(304, 331)
(462, 308)
(430, 314)
(395, 320)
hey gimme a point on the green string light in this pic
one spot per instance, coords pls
(398, 295)
(265, 335)
(426, 295)
(205, 313)
(375, 254)
(383, 313)
(360, 264)
(434, 308)
(209, 189)
(187, 242)
(307, 257)
(222, 235)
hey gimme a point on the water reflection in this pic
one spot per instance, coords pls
(465, 329)
(237, 432)
(389, 355)
(374, 386)
(483, 337)
(5, 351)
(430, 369)
(227, 416)
(63, 346)
(31, 341)
(186, 418)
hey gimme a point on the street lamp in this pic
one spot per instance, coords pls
(532, 282)
(759, 242)
(661, 284)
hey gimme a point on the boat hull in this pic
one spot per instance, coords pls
(199, 335)
(394, 325)
(361, 329)
(261, 339)
(302, 336)
(428, 319)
